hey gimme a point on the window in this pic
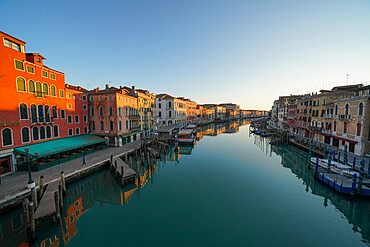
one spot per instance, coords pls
(30, 69)
(10, 44)
(25, 135)
(85, 118)
(159, 105)
(345, 127)
(111, 125)
(7, 137)
(35, 133)
(347, 109)
(110, 98)
(69, 96)
(120, 125)
(126, 124)
(45, 89)
(91, 98)
(48, 132)
(38, 89)
(160, 114)
(40, 109)
(31, 86)
(56, 131)
(169, 104)
(92, 125)
(70, 132)
(21, 84)
(101, 125)
(126, 111)
(42, 133)
(47, 113)
(69, 119)
(77, 131)
(19, 65)
(44, 73)
(336, 110)
(53, 91)
(119, 111)
(84, 97)
(91, 111)
(61, 93)
(84, 107)
(33, 114)
(62, 114)
(52, 76)
(110, 111)
(77, 119)
(69, 106)
(54, 112)
(169, 113)
(23, 111)
(335, 126)
(360, 109)
(85, 130)
(100, 110)
(358, 129)
(100, 98)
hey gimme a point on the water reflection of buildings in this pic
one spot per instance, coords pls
(356, 211)
(216, 129)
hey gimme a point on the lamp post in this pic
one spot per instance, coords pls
(30, 183)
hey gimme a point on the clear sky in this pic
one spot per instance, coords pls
(246, 52)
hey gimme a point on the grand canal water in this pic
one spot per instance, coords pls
(232, 189)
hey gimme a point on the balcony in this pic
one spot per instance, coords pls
(344, 117)
(328, 115)
(327, 131)
(314, 128)
(40, 121)
(135, 128)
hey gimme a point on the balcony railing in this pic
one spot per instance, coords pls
(315, 128)
(328, 115)
(327, 131)
(344, 116)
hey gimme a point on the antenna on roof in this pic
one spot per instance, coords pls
(347, 78)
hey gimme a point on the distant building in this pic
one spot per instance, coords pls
(170, 110)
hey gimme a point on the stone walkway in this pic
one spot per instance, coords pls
(15, 185)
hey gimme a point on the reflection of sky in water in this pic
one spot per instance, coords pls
(233, 190)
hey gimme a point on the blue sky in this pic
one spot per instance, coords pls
(246, 52)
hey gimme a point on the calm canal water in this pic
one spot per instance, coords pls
(232, 189)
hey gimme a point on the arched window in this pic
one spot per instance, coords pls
(7, 137)
(33, 114)
(346, 110)
(42, 133)
(92, 125)
(56, 131)
(23, 111)
(91, 111)
(21, 84)
(360, 109)
(54, 112)
(47, 114)
(110, 111)
(126, 112)
(31, 86)
(101, 125)
(45, 89)
(336, 110)
(48, 131)
(53, 91)
(38, 89)
(100, 110)
(35, 133)
(126, 124)
(25, 135)
(41, 113)
(358, 132)
(111, 125)
(119, 111)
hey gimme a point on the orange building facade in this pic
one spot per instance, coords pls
(34, 104)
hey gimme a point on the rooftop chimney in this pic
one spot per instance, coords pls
(106, 86)
(133, 89)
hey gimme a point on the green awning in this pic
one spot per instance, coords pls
(60, 145)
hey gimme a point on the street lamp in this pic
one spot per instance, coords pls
(30, 183)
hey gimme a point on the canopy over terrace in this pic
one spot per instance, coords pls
(60, 145)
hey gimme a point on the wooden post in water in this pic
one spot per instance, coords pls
(130, 162)
(123, 176)
(111, 159)
(32, 221)
(57, 208)
(138, 171)
(34, 196)
(63, 182)
(115, 168)
(60, 196)
(126, 160)
(41, 186)
(26, 214)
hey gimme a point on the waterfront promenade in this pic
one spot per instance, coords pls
(14, 186)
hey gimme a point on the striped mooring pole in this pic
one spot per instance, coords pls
(354, 163)
(329, 160)
(354, 183)
(325, 153)
(339, 157)
(309, 155)
(345, 155)
(361, 174)
(316, 167)
(333, 158)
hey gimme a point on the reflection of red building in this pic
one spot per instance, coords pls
(34, 101)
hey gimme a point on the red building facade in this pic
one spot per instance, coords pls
(34, 105)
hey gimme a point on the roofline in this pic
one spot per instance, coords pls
(12, 37)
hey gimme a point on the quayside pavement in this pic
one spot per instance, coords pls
(14, 185)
